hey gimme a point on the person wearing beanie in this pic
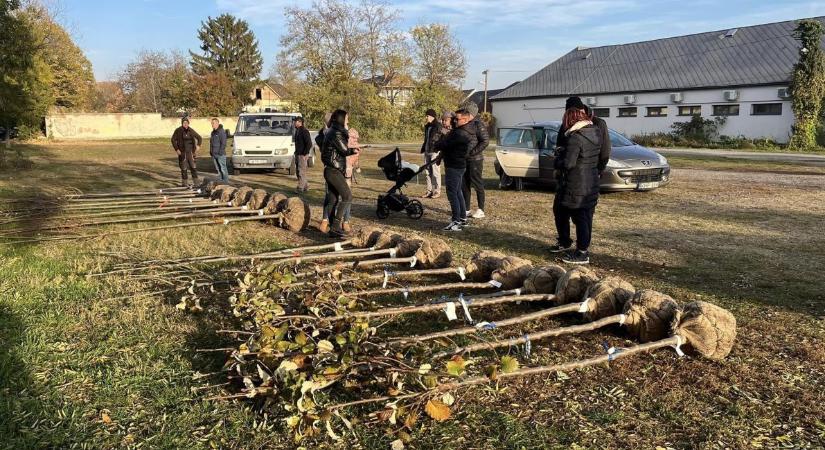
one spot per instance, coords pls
(432, 133)
(606, 146)
(186, 142)
(473, 176)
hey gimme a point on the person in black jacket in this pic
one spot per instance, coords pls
(453, 150)
(606, 148)
(217, 149)
(432, 133)
(334, 152)
(475, 160)
(186, 143)
(303, 146)
(577, 191)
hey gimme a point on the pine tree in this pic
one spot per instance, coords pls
(229, 47)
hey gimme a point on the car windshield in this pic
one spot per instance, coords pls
(516, 137)
(616, 139)
(264, 125)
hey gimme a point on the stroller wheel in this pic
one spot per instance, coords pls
(415, 209)
(382, 211)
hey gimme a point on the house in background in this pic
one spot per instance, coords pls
(269, 97)
(477, 97)
(741, 74)
(398, 91)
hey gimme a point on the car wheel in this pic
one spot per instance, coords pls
(507, 182)
(382, 211)
(236, 171)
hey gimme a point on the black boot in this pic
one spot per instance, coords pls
(337, 230)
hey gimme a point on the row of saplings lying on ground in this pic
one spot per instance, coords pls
(321, 339)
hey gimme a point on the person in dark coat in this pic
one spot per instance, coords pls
(433, 131)
(453, 150)
(607, 147)
(303, 147)
(473, 177)
(186, 143)
(217, 149)
(334, 154)
(577, 190)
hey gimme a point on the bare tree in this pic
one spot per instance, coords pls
(440, 58)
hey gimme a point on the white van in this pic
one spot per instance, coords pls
(265, 141)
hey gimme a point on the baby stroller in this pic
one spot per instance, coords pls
(395, 169)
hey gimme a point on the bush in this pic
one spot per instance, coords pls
(703, 133)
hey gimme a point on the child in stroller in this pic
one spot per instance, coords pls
(396, 169)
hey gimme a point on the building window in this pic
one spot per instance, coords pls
(601, 112)
(657, 111)
(627, 112)
(767, 109)
(691, 110)
(258, 95)
(725, 110)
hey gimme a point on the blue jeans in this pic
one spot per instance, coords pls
(453, 181)
(220, 167)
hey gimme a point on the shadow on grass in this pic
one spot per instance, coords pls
(14, 380)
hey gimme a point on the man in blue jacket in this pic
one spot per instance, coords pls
(217, 149)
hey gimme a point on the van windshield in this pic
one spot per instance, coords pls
(264, 125)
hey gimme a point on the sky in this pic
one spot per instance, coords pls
(510, 39)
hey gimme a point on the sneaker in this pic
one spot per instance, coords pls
(339, 234)
(469, 213)
(478, 214)
(453, 226)
(463, 222)
(347, 227)
(435, 195)
(427, 195)
(324, 226)
(576, 257)
(558, 248)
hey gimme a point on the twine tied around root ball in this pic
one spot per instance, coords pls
(512, 272)
(217, 191)
(276, 202)
(483, 264)
(607, 297)
(573, 285)
(708, 330)
(650, 315)
(365, 237)
(543, 280)
(227, 194)
(242, 196)
(258, 199)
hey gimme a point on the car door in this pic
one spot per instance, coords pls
(547, 154)
(517, 152)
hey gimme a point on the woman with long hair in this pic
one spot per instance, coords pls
(334, 154)
(577, 190)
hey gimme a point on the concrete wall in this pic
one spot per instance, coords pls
(83, 126)
(778, 128)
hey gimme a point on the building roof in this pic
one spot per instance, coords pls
(754, 55)
(477, 97)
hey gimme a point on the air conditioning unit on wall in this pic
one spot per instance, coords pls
(629, 99)
(784, 93)
(676, 97)
(731, 96)
(591, 101)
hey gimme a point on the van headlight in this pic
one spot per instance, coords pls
(614, 164)
(662, 160)
(281, 151)
(236, 151)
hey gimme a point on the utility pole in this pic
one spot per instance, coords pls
(486, 71)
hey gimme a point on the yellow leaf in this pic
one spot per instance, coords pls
(456, 365)
(105, 418)
(397, 444)
(509, 364)
(325, 346)
(437, 410)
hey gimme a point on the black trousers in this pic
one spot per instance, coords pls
(341, 195)
(581, 217)
(473, 178)
(186, 160)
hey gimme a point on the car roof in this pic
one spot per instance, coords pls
(270, 114)
(552, 123)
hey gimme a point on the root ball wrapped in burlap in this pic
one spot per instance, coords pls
(388, 239)
(409, 246)
(276, 202)
(242, 196)
(512, 272)
(708, 330)
(258, 199)
(573, 285)
(217, 192)
(434, 253)
(607, 297)
(649, 315)
(365, 237)
(543, 280)
(295, 215)
(228, 194)
(483, 264)
(208, 185)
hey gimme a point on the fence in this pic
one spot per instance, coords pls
(90, 126)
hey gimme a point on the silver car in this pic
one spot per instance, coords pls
(526, 152)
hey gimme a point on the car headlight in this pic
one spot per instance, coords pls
(662, 160)
(614, 164)
(236, 151)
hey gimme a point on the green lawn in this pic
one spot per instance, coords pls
(97, 363)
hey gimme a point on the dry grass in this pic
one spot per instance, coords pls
(746, 236)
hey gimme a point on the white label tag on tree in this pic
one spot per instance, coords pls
(466, 309)
(406, 293)
(260, 212)
(413, 261)
(386, 279)
(583, 305)
(495, 284)
(392, 253)
(226, 221)
(338, 247)
(228, 203)
(462, 274)
(244, 208)
(449, 309)
(190, 201)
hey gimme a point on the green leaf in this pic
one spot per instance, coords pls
(455, 366)
(509, 364)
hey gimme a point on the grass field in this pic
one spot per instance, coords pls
(96, 363)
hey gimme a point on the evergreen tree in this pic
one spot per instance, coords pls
(229, 47)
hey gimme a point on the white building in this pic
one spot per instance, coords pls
(645, 87)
